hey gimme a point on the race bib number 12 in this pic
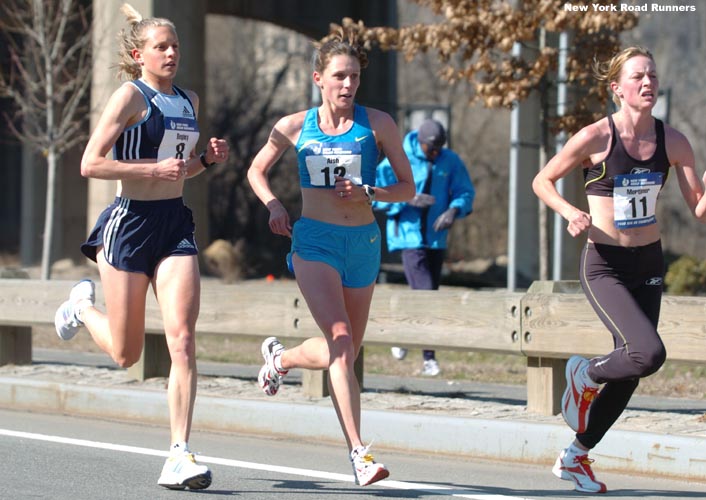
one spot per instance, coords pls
(326, 161)
(635, 199)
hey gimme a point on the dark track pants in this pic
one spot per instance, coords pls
(624, 286)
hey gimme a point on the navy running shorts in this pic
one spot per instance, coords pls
(136, 235)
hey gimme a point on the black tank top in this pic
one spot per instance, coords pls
(598, 179)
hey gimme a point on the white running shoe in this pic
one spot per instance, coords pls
(431, 368)
(182, 471)
(270, 377)
(579, 394)
(66, 321)
(365, 469)
(579, 471)
(399, 353)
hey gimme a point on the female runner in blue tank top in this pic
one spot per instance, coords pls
(335, 252)
(146, 236)
(626, 159)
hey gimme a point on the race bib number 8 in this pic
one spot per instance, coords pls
(326, 161)
(180, 136)
(635, 199)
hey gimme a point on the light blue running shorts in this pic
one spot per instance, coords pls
(353, 251)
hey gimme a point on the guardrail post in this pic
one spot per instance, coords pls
(155, 360)
(15, 341)
(546, 379)
(15, 345)
(315, 382)
(545, 385)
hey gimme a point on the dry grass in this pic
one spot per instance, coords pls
(673, 380)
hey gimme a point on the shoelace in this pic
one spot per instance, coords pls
(364, 455)
(586, 462)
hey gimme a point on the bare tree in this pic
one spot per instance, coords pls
(261, 76)
(49, 42)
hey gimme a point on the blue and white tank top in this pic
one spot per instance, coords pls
(321, 157)
(168, 130)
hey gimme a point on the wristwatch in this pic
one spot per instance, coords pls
(205, 164)
(369, 193)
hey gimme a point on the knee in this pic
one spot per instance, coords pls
(127, 358)
(650, 361)
(182, 344)
(655, 360)
(342, 348)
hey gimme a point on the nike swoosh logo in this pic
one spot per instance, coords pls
(373, 239)
(358, 139)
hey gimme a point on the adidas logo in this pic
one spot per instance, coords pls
(185, 244)
(186, 112)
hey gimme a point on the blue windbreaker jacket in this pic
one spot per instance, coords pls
(451, 186)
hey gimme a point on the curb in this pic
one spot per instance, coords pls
(665, 455)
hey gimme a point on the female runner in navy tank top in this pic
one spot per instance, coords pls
(335, 252)
(145, 237)
(626, 158)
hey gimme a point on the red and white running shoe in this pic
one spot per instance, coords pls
(579, 395)
(579, 471)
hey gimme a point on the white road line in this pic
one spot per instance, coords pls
(398, 485)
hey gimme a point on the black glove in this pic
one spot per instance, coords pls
(445, 220)
(422, 200)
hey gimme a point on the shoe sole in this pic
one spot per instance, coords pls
(379, 476)
(267, 386)
(568, 394)
(559, 472)
(562, 474)
(59, 320)
(92, 296)
(265, 351)
(200, 482)
(265, 347)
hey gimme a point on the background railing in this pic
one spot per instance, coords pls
(547, 324)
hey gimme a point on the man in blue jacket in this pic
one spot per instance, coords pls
(419, 227)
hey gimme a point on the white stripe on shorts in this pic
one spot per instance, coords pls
(111, 228)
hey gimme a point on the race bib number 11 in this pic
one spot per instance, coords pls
(635, 199)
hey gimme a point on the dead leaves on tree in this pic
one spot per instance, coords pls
(473, 40)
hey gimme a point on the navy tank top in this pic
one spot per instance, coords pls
(168, 130)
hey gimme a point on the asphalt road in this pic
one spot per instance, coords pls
(58, 457)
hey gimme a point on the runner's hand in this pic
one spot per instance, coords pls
(422, 200)
(578, 223)
(445, 220)
(169, 169)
